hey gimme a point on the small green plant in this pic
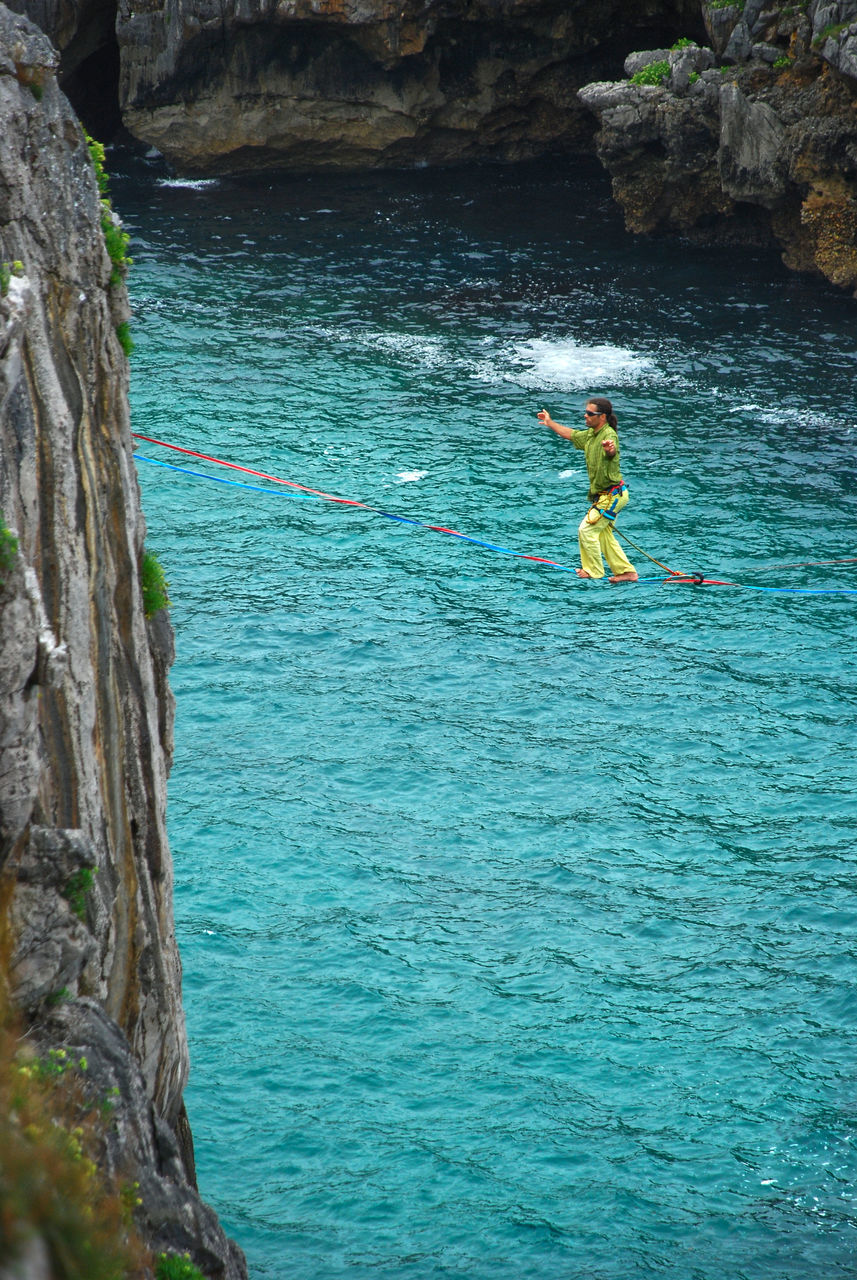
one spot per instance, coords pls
(96, 152)
(655, 73)
(117, 242)
(782, 62)
(727, 4)
(76, 889)
(154, 584)
(8, 548)
(684, 43)
(129, 1196)
(123, 333)
(53, 1067)
(693, 77)
(7, 271)
(50, 1068)
(830, 32)
(57, 997)
(176, 1266)
(107, 1105)
(115, 238)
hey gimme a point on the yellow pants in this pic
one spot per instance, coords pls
(597, 539)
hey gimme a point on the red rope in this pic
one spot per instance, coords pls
(319, 493)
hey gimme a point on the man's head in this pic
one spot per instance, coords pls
(599, 410)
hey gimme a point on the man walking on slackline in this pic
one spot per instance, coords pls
(608, 493)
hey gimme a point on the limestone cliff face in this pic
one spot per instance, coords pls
(768, 151)
(253, 84)
(247, 84)
(86, 715)
(751, 137)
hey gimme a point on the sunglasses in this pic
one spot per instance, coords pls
(592, 413)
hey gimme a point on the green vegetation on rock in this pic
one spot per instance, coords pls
(176, 1266)
(655, 73)
(115, 238)
(77, 888)
(154, 584)
(50, 1187)
(8, 549)
(7, 271)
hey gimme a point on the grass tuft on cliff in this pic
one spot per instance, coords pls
(655, 73)
(115, 238)
(7, 271)
(8, 549)
(176, 1266)
(154, 584)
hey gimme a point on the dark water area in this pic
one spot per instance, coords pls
(517, 913)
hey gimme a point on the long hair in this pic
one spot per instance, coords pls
(603, 405)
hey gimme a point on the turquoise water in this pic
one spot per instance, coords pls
(517, 913)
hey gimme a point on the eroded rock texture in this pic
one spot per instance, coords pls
(363, 83)
(85, 716)
(253, 84)
(753, 137)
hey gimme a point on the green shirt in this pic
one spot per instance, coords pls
(604, 472)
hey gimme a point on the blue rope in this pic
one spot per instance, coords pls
(417, 524)
(800, 591)
(236, 484)
(490, 546)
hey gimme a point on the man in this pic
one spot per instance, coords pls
(608, 493)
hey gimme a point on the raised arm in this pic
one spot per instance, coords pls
(544, 417)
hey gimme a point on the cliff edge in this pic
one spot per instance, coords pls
(89, 952)
(750, 137)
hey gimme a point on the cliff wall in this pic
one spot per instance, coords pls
(752, 136)
(86, 714)
(242, 85)
(365, 83)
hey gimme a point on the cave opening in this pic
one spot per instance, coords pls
(89, 73)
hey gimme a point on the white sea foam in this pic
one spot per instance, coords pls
(571, 471)
(566, 365)
(538, 364)
(191, 184)
(405, 477)
(414, 348)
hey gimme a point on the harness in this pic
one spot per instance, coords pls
(616, 492)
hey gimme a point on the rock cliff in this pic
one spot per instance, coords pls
(89, 955)
(363, 83)
(752, 136)
(253, 84)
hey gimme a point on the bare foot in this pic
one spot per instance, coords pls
(581, 573)
(625, 577)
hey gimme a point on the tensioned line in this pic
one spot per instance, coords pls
(301, 490)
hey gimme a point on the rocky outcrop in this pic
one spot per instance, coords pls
(364, 83)
(254, 84)
(85, 718)
(762, 146)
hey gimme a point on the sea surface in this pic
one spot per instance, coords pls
(517, 912)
